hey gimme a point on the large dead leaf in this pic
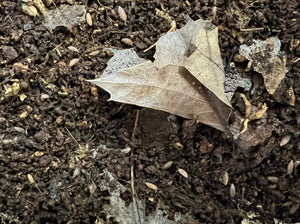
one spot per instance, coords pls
(167, 85)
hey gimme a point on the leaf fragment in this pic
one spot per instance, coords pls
(66, 16)
(263, 56)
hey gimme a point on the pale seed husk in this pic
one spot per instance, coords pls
(151, 186)
(30, 178)
(127, 41)
(290, 167)
(126, 150)
(73, 62)
(183, 173)
(167, 165)
(273, 179)
(285, 140)
(232, 190)
(29, 10)
(89, 19)
(225, 178)
(122, 13)
(71, 48)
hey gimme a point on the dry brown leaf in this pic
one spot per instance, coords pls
(264, 60)
(257, 131)
(166, 84)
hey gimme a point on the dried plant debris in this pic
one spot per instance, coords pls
(186, 78)
(65, 16)
(263, 55)
(234, 80)
(134, 212)
(257, 131)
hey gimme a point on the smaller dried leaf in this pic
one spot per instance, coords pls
(29, 10)
(89, 19)
(225, 178)
(167, 165)
(183, 173)
(73, 61)
(285, 140)
(122, 13)
(151, 186)
(232, 190)
(127, 41)
(30, 178)
(290, 167)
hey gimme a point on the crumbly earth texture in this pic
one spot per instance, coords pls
(59, 134)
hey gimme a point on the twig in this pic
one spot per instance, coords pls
(169, 19)
(133, 194)
(252, 29)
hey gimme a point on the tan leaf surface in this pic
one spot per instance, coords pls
(166, 89)
(166, 84)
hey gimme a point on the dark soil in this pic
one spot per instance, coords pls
(65, 133)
